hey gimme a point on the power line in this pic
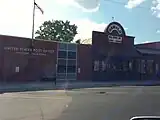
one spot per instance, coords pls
(123, 3)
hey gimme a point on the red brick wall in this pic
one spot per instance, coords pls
(31, 67)
(84, 60)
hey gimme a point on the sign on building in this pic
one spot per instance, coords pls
(115, 32)
(36, 51)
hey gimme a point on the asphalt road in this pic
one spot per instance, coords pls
(119, 103)
(110, 103)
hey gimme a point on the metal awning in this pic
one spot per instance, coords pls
(129, 52)
(149, 51)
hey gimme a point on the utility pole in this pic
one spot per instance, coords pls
(32, 41)
(31, 59)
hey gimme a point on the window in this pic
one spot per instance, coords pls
(61, 69)
(66, 61)
(157, 67)
(138, 62)
(71, 55)
(62, 62)
(149, 66)
(71, 63)
(71, 76)
(103, 66)
(142, 65)
(62, 54)
(61, 76)
(130, 65)
(96, 65)
(125, 66)
(71, 69)
(62, 46)
(72, 47)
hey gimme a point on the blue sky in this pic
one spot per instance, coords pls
(140, 18)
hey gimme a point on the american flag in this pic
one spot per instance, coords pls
(39, 7)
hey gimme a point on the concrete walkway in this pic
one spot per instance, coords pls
(69, 85)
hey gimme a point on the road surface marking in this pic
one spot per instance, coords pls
(46, 91)
(99, 92)
(32, 97)
(117, 92)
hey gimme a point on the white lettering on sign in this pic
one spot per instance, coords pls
(115, 39)
(36, 51)
(115, 27)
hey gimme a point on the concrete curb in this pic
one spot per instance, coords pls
(68, 86)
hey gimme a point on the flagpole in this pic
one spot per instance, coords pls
(33, 24)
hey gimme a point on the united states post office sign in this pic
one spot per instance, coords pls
(36, 51)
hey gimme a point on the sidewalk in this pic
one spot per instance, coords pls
(70, 85)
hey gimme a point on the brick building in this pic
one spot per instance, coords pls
(112, 55)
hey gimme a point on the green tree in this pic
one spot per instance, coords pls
(57, 30)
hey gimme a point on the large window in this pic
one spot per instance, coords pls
(138, 63)
(71, 66)
(61, 76)
(67, 61)
(62, 54)
(72, 47)
(71, 62)
(62, 62)
(71, 69)
(130, 65)
(69, 47)
(143, 66)
(71, 76)
(62, 46)
(150, 66)
(96, 66)
(71, 55)
(125, 66)
(61, 69)
(157, 67)
(103, 65)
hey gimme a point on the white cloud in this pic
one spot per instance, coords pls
(125, 28)
(85, 5)
(135, 42)
(156, 8)
(158, 31)
(86, 26)
(133, 3)
(16, 19)
(146, 42)
(149, 41)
